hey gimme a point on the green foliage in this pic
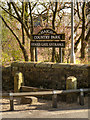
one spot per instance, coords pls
(16, 54)
(5, 58)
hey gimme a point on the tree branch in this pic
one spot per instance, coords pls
(78, 11)
(26, 29)
(75, 29)
(87, 36)
(31, 18)
(20, 19)
(77, 42)
(87, 39)
(34, 6)
(11, 31)
(54, 15)
(21, 46)
(13, 4)
(9, 13)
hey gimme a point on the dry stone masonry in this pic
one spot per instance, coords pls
(45, 75)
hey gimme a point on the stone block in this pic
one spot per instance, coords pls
(60, 65)
(28, 100)
(18, 81)
(30, 64)
(14, 64)
(43, 65)
(71, 83)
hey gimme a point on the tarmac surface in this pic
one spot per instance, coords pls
(43, 109)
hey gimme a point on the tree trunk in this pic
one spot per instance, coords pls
(32, 54)
(25, 54)
(53, 26)
(23, 38)
(53, 54)
(83, 32)
(31, 49)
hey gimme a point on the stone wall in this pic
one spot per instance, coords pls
(7, 81)
(51, 75)
(46, 75)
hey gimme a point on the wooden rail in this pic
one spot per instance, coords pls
(54, 94)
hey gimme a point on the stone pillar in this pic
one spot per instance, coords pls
(71, 83)
(18, 81)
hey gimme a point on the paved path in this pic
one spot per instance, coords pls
(43, 109)
(47, 114)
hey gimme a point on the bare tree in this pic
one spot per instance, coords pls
(22, 16)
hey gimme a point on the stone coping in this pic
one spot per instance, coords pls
(47, 64)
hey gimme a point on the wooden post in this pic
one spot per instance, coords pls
(11, 103)
(54, 100)
(36, 54)
(60, 54)
(81, 97)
